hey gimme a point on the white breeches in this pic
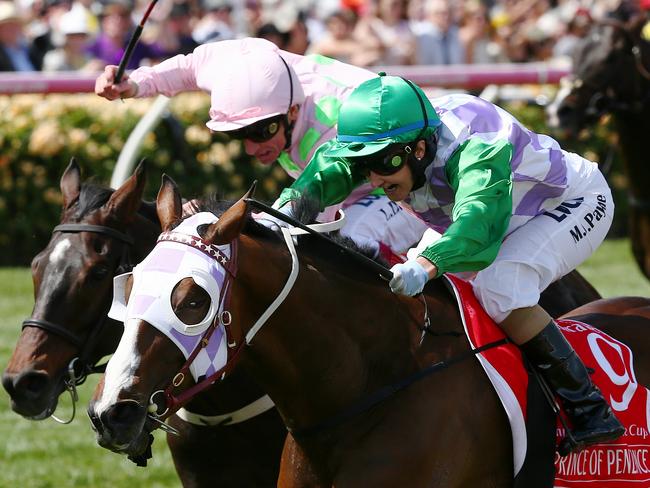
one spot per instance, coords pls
(544, 249)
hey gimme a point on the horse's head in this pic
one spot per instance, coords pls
(68, 331)
(610, 73)
(175, 309)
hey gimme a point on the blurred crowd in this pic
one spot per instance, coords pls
(64, 35)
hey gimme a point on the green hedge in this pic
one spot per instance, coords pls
(39, 135)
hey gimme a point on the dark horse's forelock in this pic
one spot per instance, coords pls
(91, 197)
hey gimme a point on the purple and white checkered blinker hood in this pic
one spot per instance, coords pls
(154, 280)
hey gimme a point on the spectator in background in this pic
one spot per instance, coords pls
(390, 26)
(45, 32)
(116, 26)
(73, 54)
(176, 31)
(286, 27)
(16, 54)
(342, 44)
(439, 40)
(475, 34)
(252, 17)
(216, 23)
(577, 27)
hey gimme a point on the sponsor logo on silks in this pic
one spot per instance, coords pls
(590, 220)
(560, 213)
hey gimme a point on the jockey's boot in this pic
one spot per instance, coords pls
(591, 417)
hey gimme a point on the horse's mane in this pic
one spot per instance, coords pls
(305, 209)
(93, 196)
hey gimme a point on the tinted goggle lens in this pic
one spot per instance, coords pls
(261, 131)
(388, 162)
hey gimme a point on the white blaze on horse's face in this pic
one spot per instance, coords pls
(58, 254)
(120, 369)
(154, 280)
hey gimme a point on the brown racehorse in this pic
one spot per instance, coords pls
(611, 74)
(338, 338)
(101, 234)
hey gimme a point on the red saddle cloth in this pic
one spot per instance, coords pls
(624, 463)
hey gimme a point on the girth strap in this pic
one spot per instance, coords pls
(251, 410)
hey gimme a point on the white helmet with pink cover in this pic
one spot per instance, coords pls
(254, 83)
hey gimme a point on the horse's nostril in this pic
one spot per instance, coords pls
(30, 385)
(123, 413)
(8, 384)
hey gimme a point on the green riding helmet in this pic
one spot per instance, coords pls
(380, 112)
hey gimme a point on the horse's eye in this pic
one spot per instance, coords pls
(98, 273)
(195, 303)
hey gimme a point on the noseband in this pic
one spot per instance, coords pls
(79, 368)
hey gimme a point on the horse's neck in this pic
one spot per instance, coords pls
(144, 232)
(335, 340)
(633, 130)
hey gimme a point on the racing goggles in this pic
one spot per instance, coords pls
(260, 131)
(386, 162)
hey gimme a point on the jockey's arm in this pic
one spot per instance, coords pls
(177, 74)
(328, 180)
(481, 177)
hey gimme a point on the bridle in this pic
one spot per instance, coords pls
(169, 403)
(80, 367)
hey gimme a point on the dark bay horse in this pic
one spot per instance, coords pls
(611, 74)
(103, 233)
(338, 337)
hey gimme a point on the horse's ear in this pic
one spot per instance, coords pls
(70, 183)
(168, 203)
(231, 223)
(126, 200)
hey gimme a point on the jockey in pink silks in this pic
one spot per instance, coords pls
(283, 107)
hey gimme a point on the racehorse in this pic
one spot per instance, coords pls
(330, 353)
(103, 233)
(611, 74)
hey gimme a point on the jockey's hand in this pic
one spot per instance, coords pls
(409, 278)
(274, 223)
(104, 86)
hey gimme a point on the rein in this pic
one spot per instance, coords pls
(79, 368)
(382, 394)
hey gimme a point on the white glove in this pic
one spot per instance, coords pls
(272, 222)
(409, 278)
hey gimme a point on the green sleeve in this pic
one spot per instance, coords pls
(329, 180)
(481, 177)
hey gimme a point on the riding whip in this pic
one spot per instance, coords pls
(137, 32)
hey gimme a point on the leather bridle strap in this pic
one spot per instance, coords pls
(97, 229)
(84, 343)
(48, 326)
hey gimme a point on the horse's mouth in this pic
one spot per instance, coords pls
(47, 413)
(30, 411)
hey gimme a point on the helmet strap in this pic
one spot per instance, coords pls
(288, 126)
